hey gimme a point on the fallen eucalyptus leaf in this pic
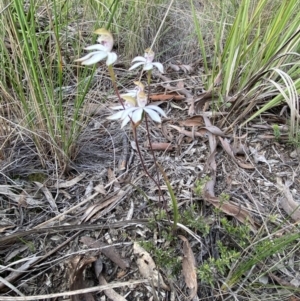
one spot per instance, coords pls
(147, 267)
(189, 267)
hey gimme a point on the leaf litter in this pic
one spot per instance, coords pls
(96, 193)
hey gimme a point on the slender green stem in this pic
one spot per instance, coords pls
(113, 79)
(173, 198)
(149, 77)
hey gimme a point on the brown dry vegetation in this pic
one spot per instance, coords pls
(73, 216)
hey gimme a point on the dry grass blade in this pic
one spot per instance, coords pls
(71, 183)
(48, 196)
(230, 152)
(33, 261)
(110, 293)
(7, 191)
(98, 288)
(9, 285)
(108, 251)
(15, 236)
(23, 268)
(189, 267)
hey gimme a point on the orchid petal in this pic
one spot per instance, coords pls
(157, 109)
(125, 121)
(84, 57)
(159, 66)
(139, 86)
(106, 44)
(131, 93)
(153, 115)
(137, 115)
(142, 99)
(111, 58)
(116, 116)
(97, 57)
(128, 112)
(139, 58)
(98, 47)
(136, 65)
(117, 108)
(130, 100)
(148, 66)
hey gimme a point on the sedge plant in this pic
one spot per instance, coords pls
(254, 65)
(35, 76)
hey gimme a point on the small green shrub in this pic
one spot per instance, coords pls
(276, 132)
(213, 268)
(164, 257)
(199, 185)
(193, 220)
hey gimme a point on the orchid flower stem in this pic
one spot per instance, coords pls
(143, 164)
(149, 81)
(149, 77)
(113, 79)
(154, 160)
(148, 95)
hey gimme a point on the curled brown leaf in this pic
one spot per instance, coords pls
(77, 265)
(189, 267)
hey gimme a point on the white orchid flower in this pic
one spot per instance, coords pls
(147, 62)
(133, 93)
(102, 50)
(134, 110)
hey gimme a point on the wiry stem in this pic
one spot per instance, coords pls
(154, 158)
(147, 129)
(143, 163)
(113, 79)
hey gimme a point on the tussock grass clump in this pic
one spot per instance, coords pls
(254, 61)
(36, 71)
(42, 90)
